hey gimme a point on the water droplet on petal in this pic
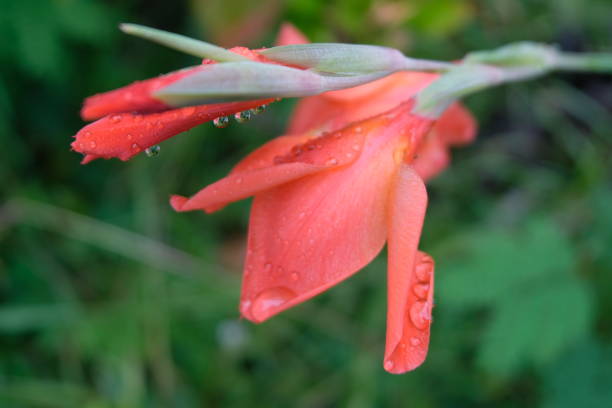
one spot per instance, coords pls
(92, 144)
(415, 341)
(423, 271)
(129, 136)
(421, 290)
(221, 122)
(152, 151)
(135, 146)
(389, 365)
(116, 118)
(258, 110)
(245, 306)
(295, 276)
(87, 134)
(420, 315)
(269, 301)
(243, 116)
(358, 129)
(331, 161)
(239, 180)
(356, 147)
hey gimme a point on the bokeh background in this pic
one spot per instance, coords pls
(110, 299)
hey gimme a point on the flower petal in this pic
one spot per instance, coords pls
(307, 235)
(135, 97)
(410, 276)
(334, 110)
(277, 162)
(289, 35)
(432, 157)
(456, 126)
(238, 186)
(127, 134)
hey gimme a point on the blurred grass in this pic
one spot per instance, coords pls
(110, 299)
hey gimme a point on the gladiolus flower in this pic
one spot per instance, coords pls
(327, 196)
(131, 119)
(347, 177)
(324, 206)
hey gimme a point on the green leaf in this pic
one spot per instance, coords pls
(536, 325)
(580, 378)
(481, 267)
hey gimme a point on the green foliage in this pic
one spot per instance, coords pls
(110, 299)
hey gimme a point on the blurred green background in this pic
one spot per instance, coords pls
(110, 299)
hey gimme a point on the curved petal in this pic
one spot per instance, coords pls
(334, 110)
(410, 276)
(241, 185)
(290, 35)
(307, 235)
(456, 126)
(135, 97)
(277, 162)
(264, 156)
(431, 157)
(127, 134)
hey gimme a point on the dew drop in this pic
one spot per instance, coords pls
(295, 276)
(421, 290)
(356, 147)
(238, 180)
(331, 161)
(358, 129)
(152, 151)
(243, 116)
(415, 341)
(92, 144)
(129, 136)
(135, 146)
(116, 118)
(423, 271)
(245, 306)
(269, 301)
(389, 365)
(259, 109)
(420, 315)
(87, 134)
(221, 122)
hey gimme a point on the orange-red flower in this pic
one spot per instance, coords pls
(346, 179)
(130, 119)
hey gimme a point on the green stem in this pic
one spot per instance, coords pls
(592, 62)
(514, 62)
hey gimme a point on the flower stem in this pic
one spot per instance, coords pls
(514, 62)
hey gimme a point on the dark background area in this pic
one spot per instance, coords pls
(110, 299)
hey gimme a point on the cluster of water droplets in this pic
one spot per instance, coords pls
(152, 151)
(239, 117)
(420, 311)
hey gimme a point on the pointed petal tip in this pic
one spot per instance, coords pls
(178, 202)
(290, 35)
(89, 158)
